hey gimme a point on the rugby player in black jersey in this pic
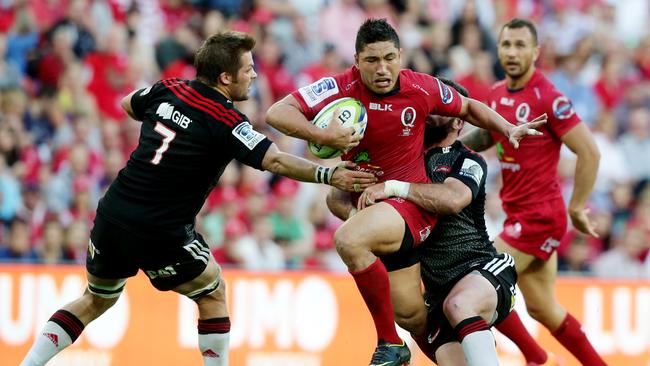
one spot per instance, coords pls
(469, 286)
(190, 131)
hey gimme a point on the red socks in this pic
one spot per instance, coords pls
(571, 336)
(374, 286)
(514, 329)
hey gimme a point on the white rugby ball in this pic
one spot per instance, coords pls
(353, 114)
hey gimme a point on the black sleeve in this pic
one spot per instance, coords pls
(140, 100)
(248, 145)
(470, 169)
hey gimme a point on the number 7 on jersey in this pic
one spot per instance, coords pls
(168, 135)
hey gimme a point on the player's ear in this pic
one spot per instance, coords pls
(225, 78)
(536, 53)
(356, 59)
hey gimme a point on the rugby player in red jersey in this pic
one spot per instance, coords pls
(532, 199)
(397, 101)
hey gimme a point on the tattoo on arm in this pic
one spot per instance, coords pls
(478, 140)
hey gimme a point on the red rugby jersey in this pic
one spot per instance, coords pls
(392, 146)
(530, 172)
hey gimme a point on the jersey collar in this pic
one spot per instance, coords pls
(208, 92)
(445, 149)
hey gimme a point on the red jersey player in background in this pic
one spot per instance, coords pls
(397, 101)
(536, 215)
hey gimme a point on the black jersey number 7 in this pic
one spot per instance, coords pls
(168, 135)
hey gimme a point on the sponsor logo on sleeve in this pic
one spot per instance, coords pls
(562, 108)
(319, 91)
(445, 93)
(473, 170)
(245, 133)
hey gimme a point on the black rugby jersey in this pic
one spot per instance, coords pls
(189, 133)
(458, 242)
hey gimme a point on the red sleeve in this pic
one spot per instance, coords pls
(315, 96)
(444, 100)
(562, 117)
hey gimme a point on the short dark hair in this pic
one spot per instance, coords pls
(375, 30)
(459, 88)
(521, 23)
(221, 52)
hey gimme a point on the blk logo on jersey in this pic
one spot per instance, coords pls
(508, 102)
(380, 107)
(166, 111)
(562, 108)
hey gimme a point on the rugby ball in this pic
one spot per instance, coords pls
(353, 114)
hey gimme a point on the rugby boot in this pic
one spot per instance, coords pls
(390, 354)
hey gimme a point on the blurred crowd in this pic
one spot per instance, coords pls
(65, 65)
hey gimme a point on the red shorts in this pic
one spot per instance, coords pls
(537, 229)
(419, 221)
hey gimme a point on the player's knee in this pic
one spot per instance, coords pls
(344, 240)
(537, 311)
(455, 308)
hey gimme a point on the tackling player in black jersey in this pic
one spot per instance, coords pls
(469, 286)
(190, 131)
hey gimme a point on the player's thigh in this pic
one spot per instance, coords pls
(522, 260)
(450, 354)
(472, 295)
(378, 228)
(408, 302)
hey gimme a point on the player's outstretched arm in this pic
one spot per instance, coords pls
(481, 115)
(297, 168)
(287, 116)
(447, 198)
(581, 142)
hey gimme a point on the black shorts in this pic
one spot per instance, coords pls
(115, 252)
(501, 273)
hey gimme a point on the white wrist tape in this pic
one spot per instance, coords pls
(396, 188)
(324, 174)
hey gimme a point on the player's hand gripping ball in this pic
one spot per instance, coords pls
(352, 114)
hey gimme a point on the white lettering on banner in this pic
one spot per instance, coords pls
(39, 296)
(631, 331)
(16, 329)
(593, 325)
(632, 320)
(315, 314)
(303, 314)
